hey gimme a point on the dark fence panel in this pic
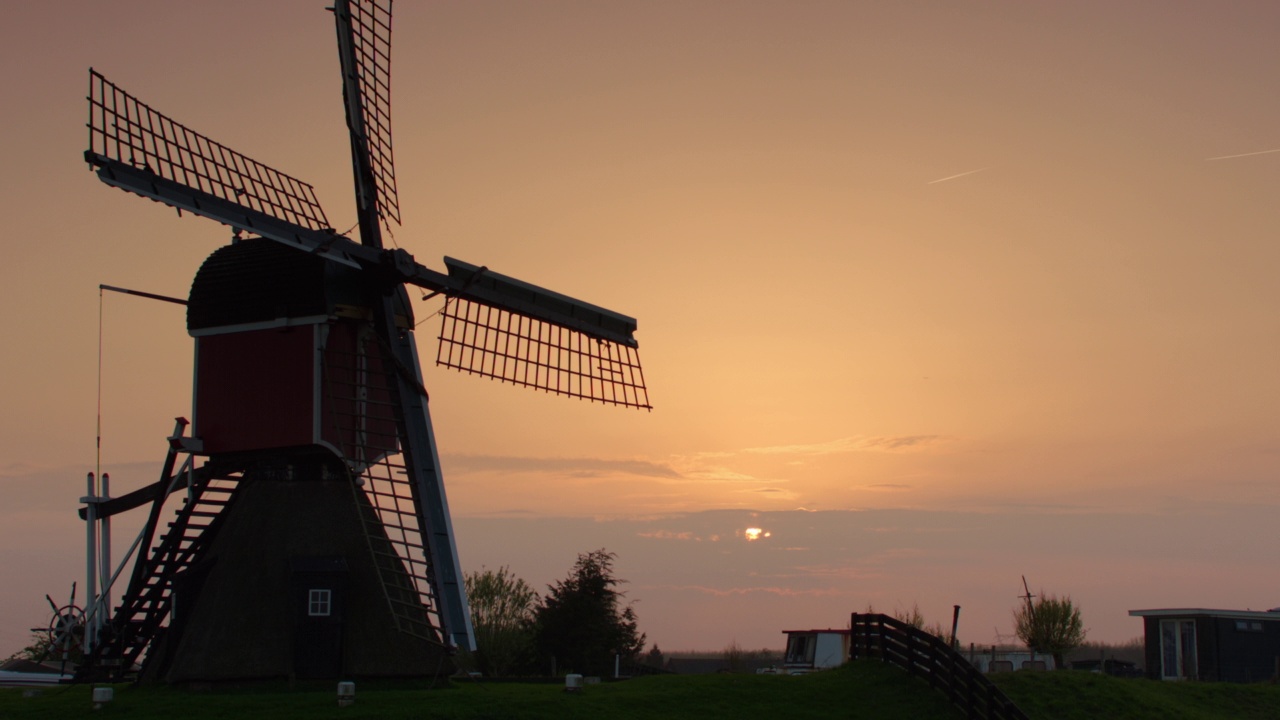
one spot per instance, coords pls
(923, 655)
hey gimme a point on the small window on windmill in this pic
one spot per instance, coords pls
(319, 602)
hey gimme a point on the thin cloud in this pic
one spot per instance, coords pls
(850, 444)
(139, 472)
(1053, 508)
(13, 469)
(739, 591)
(721, 474)
(846, 572)
(953, 177)
(1248, 154)
(895, 554)
(888, 487)
(508, 514)
(575, 467)
(668, 535)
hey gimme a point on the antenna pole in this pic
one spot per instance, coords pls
(1031, 614)
(1031, 609)
(97, 460)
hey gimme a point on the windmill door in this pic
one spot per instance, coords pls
(318, 603)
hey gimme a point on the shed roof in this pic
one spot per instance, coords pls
(1188, 612)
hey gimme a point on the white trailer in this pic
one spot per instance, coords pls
(809, 650)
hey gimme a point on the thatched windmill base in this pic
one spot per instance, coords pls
(253, 607)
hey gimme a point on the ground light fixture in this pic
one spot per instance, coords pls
(102, 696)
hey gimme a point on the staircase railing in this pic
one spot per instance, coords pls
(147, 602)
(923, 655)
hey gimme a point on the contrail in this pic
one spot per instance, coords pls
(1228, 157)
(953, 177)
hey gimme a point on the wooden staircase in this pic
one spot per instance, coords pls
(147, 604)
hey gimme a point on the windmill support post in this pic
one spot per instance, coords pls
(104, 553)
(423, 461)
(91, 558)
(955, 623)
(98, 575)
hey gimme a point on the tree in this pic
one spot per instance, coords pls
(1050, 625)
(582, 622)
(738, 659)
(43, 648)
(734, 657)
(654, 658)
(502, 617)
(915, 619)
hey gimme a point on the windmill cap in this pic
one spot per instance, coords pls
(258, 281)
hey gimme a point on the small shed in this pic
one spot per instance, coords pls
(815, 649)
(1202, 644)
(17, 672)
(1008, 660)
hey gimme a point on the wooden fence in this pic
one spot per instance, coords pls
(926, 656)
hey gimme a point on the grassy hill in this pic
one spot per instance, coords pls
(1073, 695)
(865, 689)
(869, 691)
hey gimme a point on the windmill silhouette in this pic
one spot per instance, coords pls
(313, 537)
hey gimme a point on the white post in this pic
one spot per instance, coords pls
(91, 561)
(104, 526)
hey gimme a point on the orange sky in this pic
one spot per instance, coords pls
(938, 295)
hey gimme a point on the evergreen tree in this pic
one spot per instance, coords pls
(655, 658)
(582, 622)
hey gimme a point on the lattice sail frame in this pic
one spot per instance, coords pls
(480, 339)
(371, 44)
(407, 573)
(388, 509)
(127, 130)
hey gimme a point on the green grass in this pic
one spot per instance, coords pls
(868, 690)
(865, 689)
(1074, 695)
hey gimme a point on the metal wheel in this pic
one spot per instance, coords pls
(66, 628)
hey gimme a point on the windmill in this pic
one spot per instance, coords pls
(312, 536)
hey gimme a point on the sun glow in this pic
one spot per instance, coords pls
(755, 533)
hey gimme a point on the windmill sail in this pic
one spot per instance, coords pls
(495, 326)
(138, 149)
(364, 49)
(509, 330)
